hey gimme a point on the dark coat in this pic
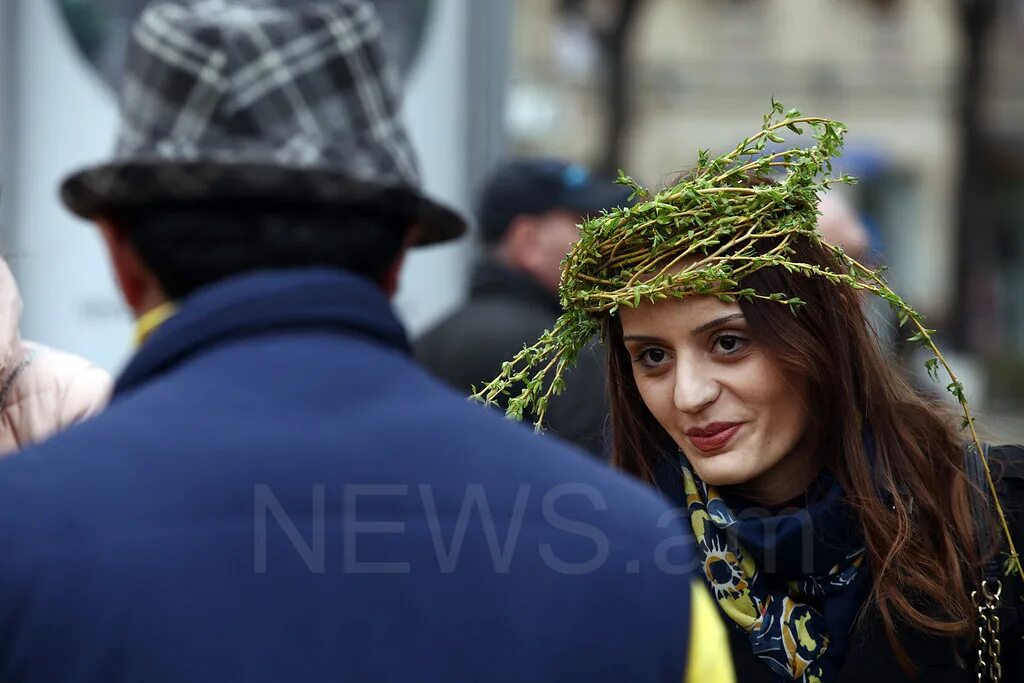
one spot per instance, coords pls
(507, 310)
(870, 657)
(279, 493)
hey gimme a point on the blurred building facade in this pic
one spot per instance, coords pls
(702, 72)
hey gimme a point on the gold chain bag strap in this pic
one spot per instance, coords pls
(990, 589)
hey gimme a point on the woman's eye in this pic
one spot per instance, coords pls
(729, 344)
(650, 358)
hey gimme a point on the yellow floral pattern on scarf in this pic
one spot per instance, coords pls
(784, 632)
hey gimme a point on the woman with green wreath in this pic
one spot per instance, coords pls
(846, 528)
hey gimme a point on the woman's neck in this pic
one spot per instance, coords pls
(786, 481)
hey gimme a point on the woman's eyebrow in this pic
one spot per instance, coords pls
(640, 338)
(711, 324)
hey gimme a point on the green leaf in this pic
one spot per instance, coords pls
(1010, 567)
(918, 337)
(957, 389)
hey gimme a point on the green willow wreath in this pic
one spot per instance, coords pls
(701, 237)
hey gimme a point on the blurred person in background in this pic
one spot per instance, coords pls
(840, 225)
(277, 491)
(528, 216)
(42, 390)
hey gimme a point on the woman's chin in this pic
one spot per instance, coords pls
(722, 469)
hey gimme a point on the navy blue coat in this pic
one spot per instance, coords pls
(278, 493)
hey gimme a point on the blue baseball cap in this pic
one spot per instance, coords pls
(537, 186)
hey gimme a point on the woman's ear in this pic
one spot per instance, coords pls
(138, 285)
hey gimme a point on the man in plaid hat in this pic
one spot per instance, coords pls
(277, 492)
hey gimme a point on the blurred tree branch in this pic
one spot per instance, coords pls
(610, 23)
(973, 208)
(974, 237)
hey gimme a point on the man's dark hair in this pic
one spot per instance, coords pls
(191, 246)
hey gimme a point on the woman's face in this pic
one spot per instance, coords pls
(727, 404)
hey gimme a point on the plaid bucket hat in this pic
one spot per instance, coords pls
(279, 101)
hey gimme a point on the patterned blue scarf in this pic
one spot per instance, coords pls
(791, 581)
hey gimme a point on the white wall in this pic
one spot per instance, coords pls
(63, 118)
(437, 106)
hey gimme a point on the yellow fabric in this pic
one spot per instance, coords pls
(710, 659)
(150, 322)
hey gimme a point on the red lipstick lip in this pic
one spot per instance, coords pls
(714, 436)
(711, 429)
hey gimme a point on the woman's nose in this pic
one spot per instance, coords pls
(695, 388)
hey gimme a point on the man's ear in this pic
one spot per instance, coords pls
(520, 240)
(139, 287)
(392, 277)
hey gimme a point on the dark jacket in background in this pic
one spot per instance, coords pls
(278, 493)
(870, 657)
(507, 310)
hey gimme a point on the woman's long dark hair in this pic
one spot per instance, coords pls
(911, 495)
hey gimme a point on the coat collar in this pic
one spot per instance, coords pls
(491, 278)
(249, 304)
